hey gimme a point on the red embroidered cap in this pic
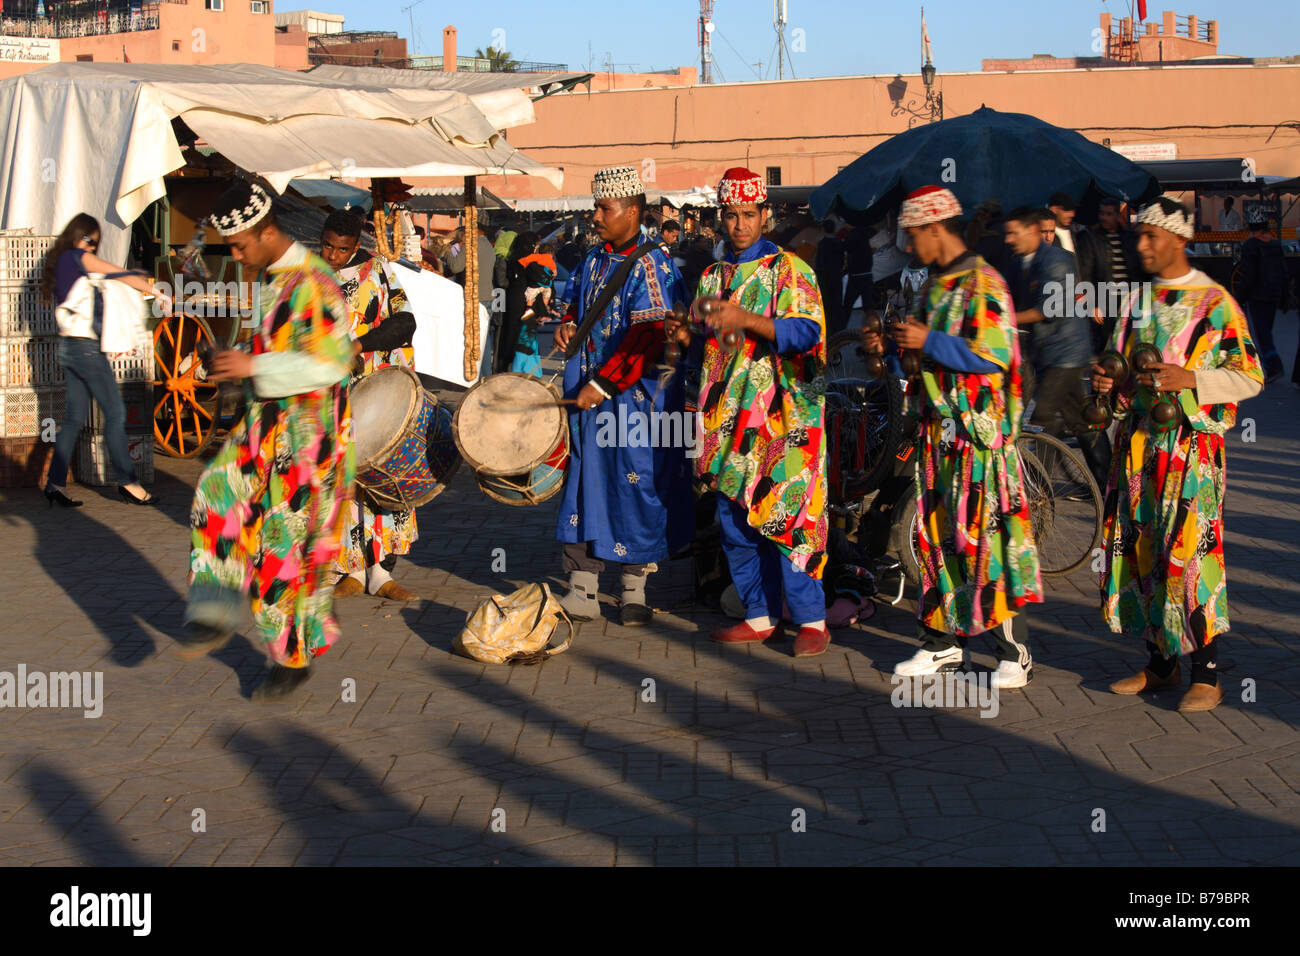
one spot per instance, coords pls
(928, 204)
(740, 185)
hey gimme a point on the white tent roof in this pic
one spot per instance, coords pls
(501, 92)
(97, 137)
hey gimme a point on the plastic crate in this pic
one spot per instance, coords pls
(22, 255)
(138, 399)
(135, 367)
(93, 466)
(22, 313)
(25, 412)
(30, 363)
(24, 462)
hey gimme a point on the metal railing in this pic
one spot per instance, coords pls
(473, 64)
(144, 17)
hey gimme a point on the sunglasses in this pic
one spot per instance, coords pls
(93, 243)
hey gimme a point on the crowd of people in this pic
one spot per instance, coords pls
(733, 329)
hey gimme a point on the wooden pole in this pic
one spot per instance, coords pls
(472, 354)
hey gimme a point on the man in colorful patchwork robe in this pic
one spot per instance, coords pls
(979, 565)
(381, 329)
(627, 491)
(761, 418)
(1164, 578)
(268, 510)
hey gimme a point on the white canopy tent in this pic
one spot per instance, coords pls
(98, 137)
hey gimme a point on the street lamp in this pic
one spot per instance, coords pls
(933, 98)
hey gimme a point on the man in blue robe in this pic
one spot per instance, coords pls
(627, 494)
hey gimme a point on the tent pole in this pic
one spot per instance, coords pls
(472, 354)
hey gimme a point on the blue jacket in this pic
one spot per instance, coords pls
(1059, 340)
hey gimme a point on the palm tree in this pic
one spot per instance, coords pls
(499, 60)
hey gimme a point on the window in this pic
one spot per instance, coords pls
(774, 175)
(259, 6)
(214, 4)
(85, 57)
(176, 46)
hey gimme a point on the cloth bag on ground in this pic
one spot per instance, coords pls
(514, 628)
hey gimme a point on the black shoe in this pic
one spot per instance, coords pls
(53, 495)
(200, 639)
(127, 496)
(281, 682)
(634, 615)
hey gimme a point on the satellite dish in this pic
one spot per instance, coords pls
(708, 26)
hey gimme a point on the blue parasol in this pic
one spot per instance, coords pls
(1014, 158)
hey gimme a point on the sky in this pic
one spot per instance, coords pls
(825, 37)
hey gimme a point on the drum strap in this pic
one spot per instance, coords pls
(611, 289)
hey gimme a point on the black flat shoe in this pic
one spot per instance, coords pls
(128, 497)
(200, 639)
(281, 682)
(53, 495)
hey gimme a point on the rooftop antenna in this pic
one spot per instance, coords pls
(706, 41)
(408, 11)
(778, 19)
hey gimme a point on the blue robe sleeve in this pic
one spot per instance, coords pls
(954, 352)
(796, 335)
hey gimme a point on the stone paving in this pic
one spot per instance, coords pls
(744, 755)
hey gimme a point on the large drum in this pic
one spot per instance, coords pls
(403, 441)
(512, 431)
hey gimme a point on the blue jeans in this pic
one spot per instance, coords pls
(89, 376)
(761, 572)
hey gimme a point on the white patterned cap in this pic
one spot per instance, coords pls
(616, 182)
(1179, 222)
(240, 207)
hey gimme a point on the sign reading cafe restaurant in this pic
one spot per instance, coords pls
(28, 50)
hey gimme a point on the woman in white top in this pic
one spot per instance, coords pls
(86, 368)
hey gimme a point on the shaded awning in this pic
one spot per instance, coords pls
(538, 85)
(339, 195)
(1219, 175)
(108, 127)
(450, 199)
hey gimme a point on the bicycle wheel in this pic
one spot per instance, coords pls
(1064, 502)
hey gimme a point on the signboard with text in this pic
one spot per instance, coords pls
(28, 50)
(1147, 152)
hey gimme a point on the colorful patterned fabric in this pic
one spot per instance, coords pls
(762, 414)
(1164, 577)
(627, 489)
(977, 555)
(370, 535)
(370, 301)
(268, 510)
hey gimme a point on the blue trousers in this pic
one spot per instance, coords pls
(88, 374)
(761, 572)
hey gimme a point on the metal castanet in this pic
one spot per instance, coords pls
(1099, 410)
(706, 305)
(875, 362)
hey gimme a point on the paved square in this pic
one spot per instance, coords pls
(743, 756)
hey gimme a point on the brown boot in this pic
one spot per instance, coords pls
(395, 592)
(1144, 680)
(1200, 697)
(349, 587)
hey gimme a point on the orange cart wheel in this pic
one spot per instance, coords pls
(185, 403)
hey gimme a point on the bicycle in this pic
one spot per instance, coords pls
(1065, 504)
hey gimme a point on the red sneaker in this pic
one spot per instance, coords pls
(742, 633)
(811, 641)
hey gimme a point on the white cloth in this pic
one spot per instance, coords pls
(124, 329)
(1230, 221)
(438, 305)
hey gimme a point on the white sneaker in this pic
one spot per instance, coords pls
(1012, 674)
(932, 662)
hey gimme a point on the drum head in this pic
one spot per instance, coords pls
(382, 403)
(509, 423)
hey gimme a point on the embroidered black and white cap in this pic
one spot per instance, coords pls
(1169, 215)
(616, 182)
(240, 207)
